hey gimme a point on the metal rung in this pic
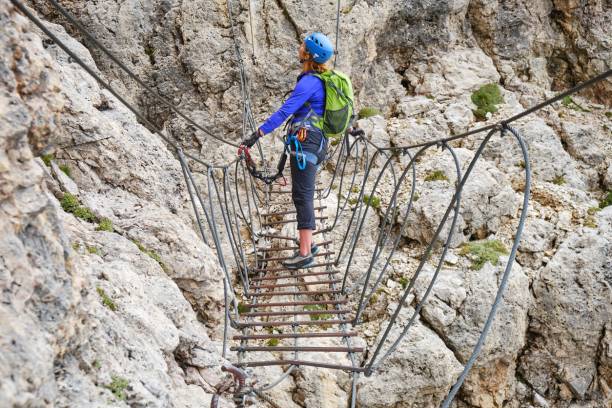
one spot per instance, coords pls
(298, 303)
(302, 292)
(304, 349)
(291, 211)
(302, 275)
(290, 269)
(268, 224)
(293, 335)
(273, 236)
(295, 312)
(293, 323)
(317, 190)
(324, 243)
(300, 363)
(321, 231)
(289, 285)
(284, 258)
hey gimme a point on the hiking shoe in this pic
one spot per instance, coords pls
(299, 261)
(314, 249)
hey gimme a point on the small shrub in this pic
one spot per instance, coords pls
(590, 222)
(105, 225)
(416, 196)
(608, 114)
(47, 159)
(65, 169)
(96, 364)
(118, 386)
(559, 180)
(273, 342)
(483, 252)
(76, 246)
(353, 200)
(355, 189)
(106, 300)
(69, 203)
(486, 99)
(373, 201)
(322, 316)
(521, 164)
(606, 201)
(84, 213)
(368, 111)
(403, 281)
(436, 175)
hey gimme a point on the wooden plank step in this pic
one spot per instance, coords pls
(298, 349)
(284, 258)
(299, 363)
(295, 312)
(291, 211)
(317, 190)
(296, 303)
(294, 323)
(301, 275)
(300, 292)
(315, 265)
(294, 335)
(289, 285)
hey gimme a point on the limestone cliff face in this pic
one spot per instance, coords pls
(84, 310)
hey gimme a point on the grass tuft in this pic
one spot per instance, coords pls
(152, 254)
(65, 169)
(47, 159)
(559, 180)
(570, 103)
(118, 386)
(606, 201)
(373, 201)
(106, 300)
(403, 281)
(436, 175)
(483, 252)
(272, 342)
(368, 111)
(242, 308)
(322, 316)
(486, 99)
(105, 225)
(71, 204)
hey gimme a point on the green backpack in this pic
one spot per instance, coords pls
(338, 103)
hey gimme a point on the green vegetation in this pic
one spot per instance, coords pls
(65, 169)
(322, 316)
(72, 205)
(93, 250)
(76, 246)
(559, 180)
(403, 281)
(436, 175)
(353, 200)
(606, 201)
(373, 201)
(152, 254)
(242, 308)
(570, 103)
(608, 114)
(521, 164)
(355, 189)
(590, 222)
(118, 386)
(272, 342)
(483, 252)
(106, 300)
(96, 364)
(105, 225)
(416, 196)
(368, 111)
(47, 158)
(486, 99)
(593, 210)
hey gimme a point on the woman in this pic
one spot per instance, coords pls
(307, 105)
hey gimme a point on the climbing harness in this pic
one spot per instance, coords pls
(245, 154)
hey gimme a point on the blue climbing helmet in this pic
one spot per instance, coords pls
(320, 47)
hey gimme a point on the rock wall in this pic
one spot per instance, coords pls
(85, 311)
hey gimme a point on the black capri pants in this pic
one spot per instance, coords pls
(303, 181)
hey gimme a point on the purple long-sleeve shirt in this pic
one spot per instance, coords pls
(308, 89)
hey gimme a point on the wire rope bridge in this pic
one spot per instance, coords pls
(296, 317)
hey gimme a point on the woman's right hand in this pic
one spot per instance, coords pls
(251, 140)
